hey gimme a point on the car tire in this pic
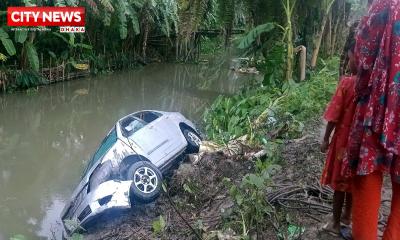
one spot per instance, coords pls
(147, 181)
(193, 140)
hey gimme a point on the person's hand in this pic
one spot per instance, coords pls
(324, 146)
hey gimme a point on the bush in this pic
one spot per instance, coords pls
(262, 111)
(28, 79)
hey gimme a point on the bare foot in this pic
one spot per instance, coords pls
(345, 220)
(331, 228)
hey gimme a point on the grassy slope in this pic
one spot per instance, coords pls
(270, 117)
(283, 111)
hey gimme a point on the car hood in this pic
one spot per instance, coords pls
(80, 191)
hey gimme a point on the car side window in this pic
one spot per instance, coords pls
(148, 117)
(105, 145)
(130, 125)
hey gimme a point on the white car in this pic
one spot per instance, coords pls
(128, 165)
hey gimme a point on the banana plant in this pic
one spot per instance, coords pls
(248, 40)
(32, 55)
(69, 53)
(7, 43)
(28, 51)
(21, 36)
(28, 48)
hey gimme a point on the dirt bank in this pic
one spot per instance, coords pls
(198, 193)
(199, 200)
(302, 166)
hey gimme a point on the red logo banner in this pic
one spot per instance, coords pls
(45, 16)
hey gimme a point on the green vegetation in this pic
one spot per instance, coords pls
(262, 112)
(267, 116)
(159, 225)
(211, 46)
(251, 205)
(121, 33)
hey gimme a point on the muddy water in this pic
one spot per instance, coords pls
(46, 136)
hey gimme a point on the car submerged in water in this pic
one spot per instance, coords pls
(128, 166)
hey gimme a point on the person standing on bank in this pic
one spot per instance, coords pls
(374, 142)
(339, 115)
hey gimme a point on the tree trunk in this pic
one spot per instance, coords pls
(320, 34)
(329, 35)
(146, 25)
(340, 21)
(289, 6)
(303, 61)
(289, 69)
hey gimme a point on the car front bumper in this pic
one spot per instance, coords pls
(112, 194)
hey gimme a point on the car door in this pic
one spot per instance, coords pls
(176, 142)
(152, 140)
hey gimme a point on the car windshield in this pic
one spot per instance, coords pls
(105, 145)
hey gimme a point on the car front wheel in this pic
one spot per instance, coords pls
(147, 180)
(193, 140)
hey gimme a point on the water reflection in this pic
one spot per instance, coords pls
(46, 136)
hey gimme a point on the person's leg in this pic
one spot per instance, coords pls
(366, 203)
(338, 202)
(346, 216)
(392, 231)
(333, 226)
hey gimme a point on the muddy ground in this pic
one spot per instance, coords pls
(198, 198)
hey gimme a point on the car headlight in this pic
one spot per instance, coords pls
(101, 174)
